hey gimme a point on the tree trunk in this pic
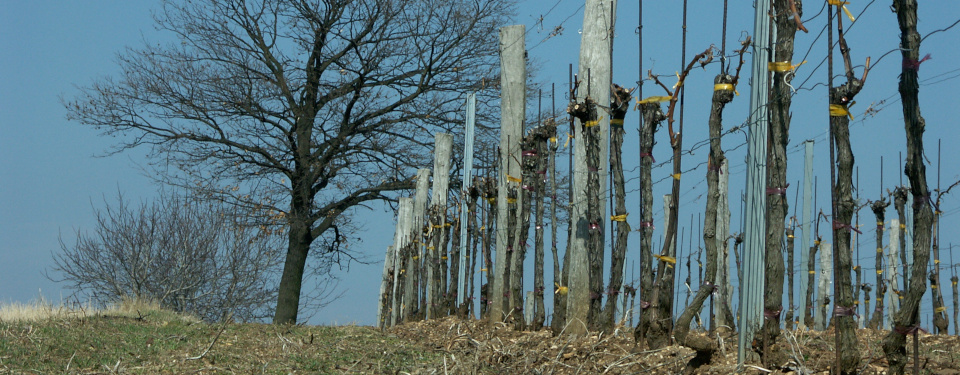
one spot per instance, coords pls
(704, 346)
(652, 118)
(777, 206)
(939, 309)
(521, 231)
(724, 300)
(908, 316)
(956, 304)
(298, 246)
(844, 308)
(535, 168)
(620, 106)
(899, 203)
(879, 210)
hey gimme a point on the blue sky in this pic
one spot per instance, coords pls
(51, 179)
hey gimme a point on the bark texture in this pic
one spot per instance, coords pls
(879, 210)
(619, 107)
(908, 317)
(777, 206)
(704, 346)
(652, 118)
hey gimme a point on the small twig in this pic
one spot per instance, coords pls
(796, 16)
(70, 361)
(758, 368)
(222, 328)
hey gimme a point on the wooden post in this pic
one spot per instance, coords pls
(414, 294)
(386, 288)
(436, 247)
(465, 212)
(513, 111)
(404, 290)
(823, 287)
(595, 75)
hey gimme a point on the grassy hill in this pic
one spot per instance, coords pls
(144, 339)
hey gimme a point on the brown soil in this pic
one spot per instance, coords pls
(472, 346)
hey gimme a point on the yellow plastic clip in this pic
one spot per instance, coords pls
(843, 4)
(492, 200)
(879, 272)
(561, 290)
(856, 268)
(655, 99)
(513, 179)
(783, 66)
(483, 227)
(954, 283)
(679, 83)
(903, 226)
(676, 176)
(940, 309)
(589, 124)
(443, 257)
(879, 223)
(879, 249)
(665, 258)
(553, 139)
(817, 242)
(936, 261)
(838, 110)
(616, 122)
(619, 217)
(567, 143)
(811, 272)
(483, 270)
(933, 287)
(789, 236)
(511, 200)
(726, 87)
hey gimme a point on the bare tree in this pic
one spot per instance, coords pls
(192, 256)
(307, 109)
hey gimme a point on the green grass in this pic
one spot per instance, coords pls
(156, 341)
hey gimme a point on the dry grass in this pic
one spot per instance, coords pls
(143, 339)
(41, 309)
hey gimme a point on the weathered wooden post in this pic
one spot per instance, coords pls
(823, 286)
(404, 291)
(413, 291)
(513, 73)
(436, 247)
(386, 288)
(595, 75)
(465, 211)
